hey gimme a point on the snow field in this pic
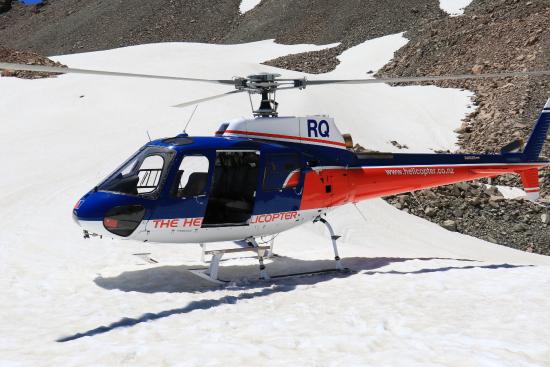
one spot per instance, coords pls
(247, 5)
(454, 7)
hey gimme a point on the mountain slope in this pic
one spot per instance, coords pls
(69, 26)
(508, 36)
(491, 37)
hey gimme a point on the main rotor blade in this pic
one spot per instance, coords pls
(62, 70)
(299, 82)
(430, 78)
(196, 101)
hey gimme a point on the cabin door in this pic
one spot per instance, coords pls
(182, 210)
(233, 191)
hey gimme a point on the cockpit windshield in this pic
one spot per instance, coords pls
(143, 174)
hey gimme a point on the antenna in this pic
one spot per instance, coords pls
(149, 136)
(251, 104)
(190, 117)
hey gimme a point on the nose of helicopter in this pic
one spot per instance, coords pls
(108, 214)
(89, 215)
(75, 210)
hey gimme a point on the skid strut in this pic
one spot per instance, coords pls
(212, 272)
(261, 253)
(334, 237)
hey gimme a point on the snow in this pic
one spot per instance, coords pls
(423, 118)
(374, 54)
(511, 192)
(247, 5)
(454, 7)
(421, 295)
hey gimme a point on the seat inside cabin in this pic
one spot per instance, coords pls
(233, 190)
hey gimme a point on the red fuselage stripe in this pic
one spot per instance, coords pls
(333, 186)
(281, 136)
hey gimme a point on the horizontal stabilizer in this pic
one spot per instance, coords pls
(514, 146)
(530, 181)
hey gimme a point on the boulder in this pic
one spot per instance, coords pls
(477, 69)
(449, 225)
(430, 212)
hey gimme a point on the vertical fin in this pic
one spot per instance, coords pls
(538, 135)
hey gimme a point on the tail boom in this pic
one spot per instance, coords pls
(332, 186)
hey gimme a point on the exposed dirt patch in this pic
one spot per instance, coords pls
(313, 62)
(26, 57)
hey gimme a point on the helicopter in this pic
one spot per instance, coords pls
(264, 175)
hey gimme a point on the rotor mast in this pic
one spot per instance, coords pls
(268, 105)
(266, 84)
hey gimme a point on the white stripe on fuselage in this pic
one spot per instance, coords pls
(175, 231)
(259, 225)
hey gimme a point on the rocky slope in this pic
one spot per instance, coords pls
(492, 36)
(482, 211)
(69, 26)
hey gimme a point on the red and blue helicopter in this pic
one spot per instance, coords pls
(261, 176)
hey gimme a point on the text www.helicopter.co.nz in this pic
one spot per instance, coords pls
(419, 171)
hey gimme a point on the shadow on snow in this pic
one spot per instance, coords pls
(178, 279)
(172, 279)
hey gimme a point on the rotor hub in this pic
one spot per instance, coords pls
(263, 77)
(266, 84)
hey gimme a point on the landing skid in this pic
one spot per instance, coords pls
(211, 274)
(312, 273)
(202, 273)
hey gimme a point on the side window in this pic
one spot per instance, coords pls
(149, 174)
(280, 169)
(192, 176)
